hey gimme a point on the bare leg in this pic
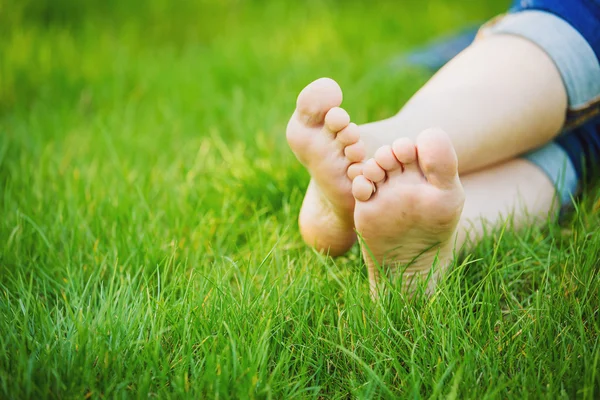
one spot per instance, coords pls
(500, 97)
(515, 189)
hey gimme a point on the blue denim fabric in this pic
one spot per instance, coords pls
(574, 57)
(582, 145)
(571, 40)
(570, 34)
(583, 15)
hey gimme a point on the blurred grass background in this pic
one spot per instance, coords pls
(138, 102)
(148, 217)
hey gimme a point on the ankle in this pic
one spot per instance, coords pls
(334, 240)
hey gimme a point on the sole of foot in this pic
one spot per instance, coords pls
(328, 145)
(408, 204)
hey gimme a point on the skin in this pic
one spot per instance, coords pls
(327, 144)
(421, 207)
(397, 183)
(500, 97)
(408, 203)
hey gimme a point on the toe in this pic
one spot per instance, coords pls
(349, 135)
(385, 158)
(362, 188)
(373, 172)
(404, 150)
(354, 170)
(316, 99)
(437, 158)
(355, 152)
(336, 119)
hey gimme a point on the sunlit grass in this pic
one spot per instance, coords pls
(148, 207)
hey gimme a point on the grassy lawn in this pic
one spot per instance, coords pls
(148, 204)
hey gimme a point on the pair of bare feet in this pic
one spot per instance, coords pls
(404, 203)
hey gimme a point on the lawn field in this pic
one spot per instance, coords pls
(148, 203)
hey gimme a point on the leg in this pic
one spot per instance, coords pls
(515, 189)
(415, 214)
(489, 108)
(500, 97)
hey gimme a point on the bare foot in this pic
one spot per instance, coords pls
(327, 144)
(408, 204)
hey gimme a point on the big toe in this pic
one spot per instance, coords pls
(316, 99)
(437, 158)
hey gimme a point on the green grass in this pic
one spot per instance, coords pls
(148, 203)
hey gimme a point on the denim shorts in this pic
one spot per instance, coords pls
(569, 32)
